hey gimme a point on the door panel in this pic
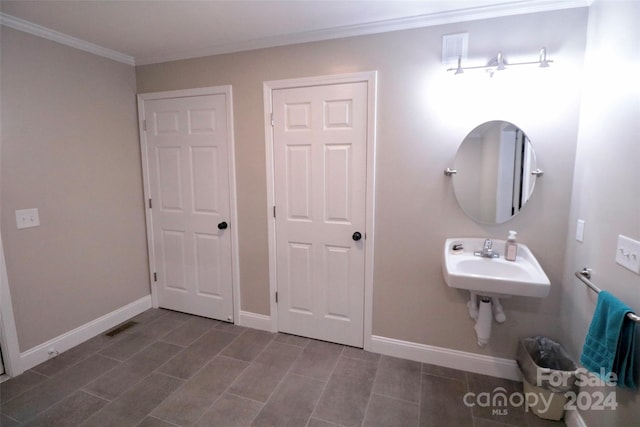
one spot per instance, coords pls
(299, 182)
(320, 136)
(205, 186)
(337, 274)
(173, 260)
(299, 277)
(170, 186)
(187, 149)
(208, 268)
(337, 183)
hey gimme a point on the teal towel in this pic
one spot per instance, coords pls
(611, 341)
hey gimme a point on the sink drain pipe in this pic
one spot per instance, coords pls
(484, 321)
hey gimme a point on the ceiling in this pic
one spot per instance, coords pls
(150, 31)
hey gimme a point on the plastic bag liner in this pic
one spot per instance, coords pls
(557, 370)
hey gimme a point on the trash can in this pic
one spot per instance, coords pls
(548, 373)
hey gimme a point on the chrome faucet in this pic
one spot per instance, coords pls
(487, 250)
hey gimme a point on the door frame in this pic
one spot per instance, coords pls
(233, 207)
(8, 332)
(369, 77)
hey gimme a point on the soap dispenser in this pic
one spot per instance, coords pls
(511, 247)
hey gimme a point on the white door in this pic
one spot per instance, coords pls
(188, 171)
(320, 144)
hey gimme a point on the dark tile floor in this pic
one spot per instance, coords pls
(172, 369)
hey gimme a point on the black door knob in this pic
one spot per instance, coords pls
(222, 226)
(356, 236)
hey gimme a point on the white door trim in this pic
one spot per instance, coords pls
(235, 257)
(8, 332)
(370, 77)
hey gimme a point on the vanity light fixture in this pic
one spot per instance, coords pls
(544, 62)
(499, 63)
(459, 70)
(449, 171)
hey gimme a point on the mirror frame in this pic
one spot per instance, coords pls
(495, 171)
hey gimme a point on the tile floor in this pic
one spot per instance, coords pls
(173, 369)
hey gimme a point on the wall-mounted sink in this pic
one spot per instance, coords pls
(493, 276)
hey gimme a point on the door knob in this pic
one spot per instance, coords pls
(356, 236)
(222, 226)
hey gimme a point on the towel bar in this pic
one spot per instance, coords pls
(585, 275)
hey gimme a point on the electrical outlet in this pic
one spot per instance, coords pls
(26, 218)
(628, 253)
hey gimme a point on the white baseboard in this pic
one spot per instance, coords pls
(574, 419)
(471, 362)
(255, 321)
(64, 342)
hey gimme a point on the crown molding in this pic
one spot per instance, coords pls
(428, 20)
(515, 7)
(49, 34)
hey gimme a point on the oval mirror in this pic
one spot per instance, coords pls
(495, 172)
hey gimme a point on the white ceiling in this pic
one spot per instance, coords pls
(149, 31)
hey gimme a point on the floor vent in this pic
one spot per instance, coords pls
(120, 328)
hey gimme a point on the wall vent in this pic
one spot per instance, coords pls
(120, 328)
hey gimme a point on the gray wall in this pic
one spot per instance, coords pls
(605, 189)
(423, 115)
(69, 148)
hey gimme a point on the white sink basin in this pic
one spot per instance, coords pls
(493, 276)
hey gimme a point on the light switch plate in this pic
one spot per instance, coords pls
(628, 253)
(454, 46)
(26, 218)
(580, 231)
